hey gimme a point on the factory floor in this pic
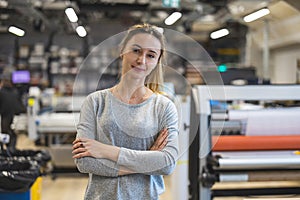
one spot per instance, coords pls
(72, 186)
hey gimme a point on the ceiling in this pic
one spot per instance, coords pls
(200, 17)
(50, 13)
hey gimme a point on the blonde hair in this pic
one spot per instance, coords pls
(154, 80)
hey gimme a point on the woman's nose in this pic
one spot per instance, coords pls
(141, 58)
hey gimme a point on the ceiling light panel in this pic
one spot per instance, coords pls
(219, 33)
(174, 17)
(17, 31)
(70, 12)
(256, 15)
(80, 30)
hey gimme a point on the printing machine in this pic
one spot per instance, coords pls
(58, 130)
(264, 150)
(54, 128)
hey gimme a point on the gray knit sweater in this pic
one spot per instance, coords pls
(134, 128)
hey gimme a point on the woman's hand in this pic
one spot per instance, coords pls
(83, 147)
(161, 141)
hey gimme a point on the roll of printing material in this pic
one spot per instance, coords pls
(277, 121)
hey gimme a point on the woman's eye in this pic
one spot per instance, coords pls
(136, 50)
(151, 56)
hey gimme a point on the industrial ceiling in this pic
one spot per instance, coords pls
(199, 17)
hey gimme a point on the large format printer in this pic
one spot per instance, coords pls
(53, 127)
(57, 130)
(231, 149)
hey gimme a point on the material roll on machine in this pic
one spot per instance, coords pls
(233, 148)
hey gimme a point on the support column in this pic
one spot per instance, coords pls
(266, 52)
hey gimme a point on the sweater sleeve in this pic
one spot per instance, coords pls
(86, 128)
(155, 162)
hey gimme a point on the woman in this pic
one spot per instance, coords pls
(127, 136)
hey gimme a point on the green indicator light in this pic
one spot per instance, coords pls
(222, 68)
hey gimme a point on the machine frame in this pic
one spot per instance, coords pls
(201, 145)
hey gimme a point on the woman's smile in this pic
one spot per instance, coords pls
(138, 68)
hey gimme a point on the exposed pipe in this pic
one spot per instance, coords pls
(248, 49)
(266, 52)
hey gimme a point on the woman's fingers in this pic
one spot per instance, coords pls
(162, 137)
(76, 141)
(81, 154)
(79, 149)
(83, 147)
(161, 141)
(79, 142)
(78, 145)
(83, 140)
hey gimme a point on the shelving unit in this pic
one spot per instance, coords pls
(60, 67)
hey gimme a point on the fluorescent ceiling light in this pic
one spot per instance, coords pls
(3, 4)
(81, 31)
(17, 31)
(173, 18)
(71, 14)
(255, 15)
(219, 33)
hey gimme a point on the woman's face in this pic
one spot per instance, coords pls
(140, 55)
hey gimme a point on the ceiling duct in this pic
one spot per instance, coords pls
(27, 9)
(283, 20)
(294, 3)
(59, 5)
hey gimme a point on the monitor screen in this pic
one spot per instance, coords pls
(21, 76)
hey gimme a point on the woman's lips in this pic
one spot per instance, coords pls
(138, 69)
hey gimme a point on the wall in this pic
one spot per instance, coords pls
(282, 61)
(253, 54)
(285, 64)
